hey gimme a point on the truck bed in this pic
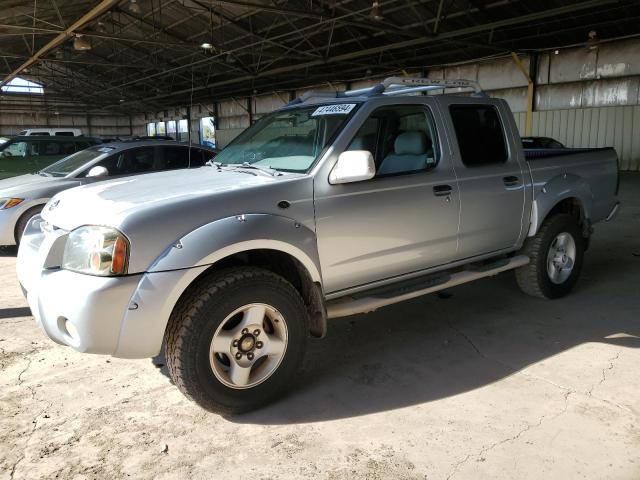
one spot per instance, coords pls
(592, 171)
(537, 153)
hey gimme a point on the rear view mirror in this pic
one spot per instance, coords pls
(353, 166)
(98, 171)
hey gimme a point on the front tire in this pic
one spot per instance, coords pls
(236, 340)
(556, 253)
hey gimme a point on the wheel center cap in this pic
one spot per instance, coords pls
(246, 343)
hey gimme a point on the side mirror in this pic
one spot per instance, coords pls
(353, 166)
(98, 171)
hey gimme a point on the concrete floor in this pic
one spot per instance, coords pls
(480, 382)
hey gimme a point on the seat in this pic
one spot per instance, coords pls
(411, 151)
(364, 142)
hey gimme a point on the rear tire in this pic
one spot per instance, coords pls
(23, 221)
(556, 253)
(236, 340)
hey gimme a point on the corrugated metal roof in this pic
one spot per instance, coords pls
(146, 54)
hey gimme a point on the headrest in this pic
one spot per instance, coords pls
(364, 142)
(411, 143)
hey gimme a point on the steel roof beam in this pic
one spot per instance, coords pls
(95, 12)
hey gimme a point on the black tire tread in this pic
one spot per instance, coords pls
(181, 326)
(529, 277)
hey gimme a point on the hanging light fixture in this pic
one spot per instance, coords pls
(376, 12)
(592, 41)
(100, 27)
(206, 46)
(80, 43)
(134, 7)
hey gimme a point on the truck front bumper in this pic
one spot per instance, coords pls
(120, 316)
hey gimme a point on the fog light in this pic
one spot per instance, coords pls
(71, 329)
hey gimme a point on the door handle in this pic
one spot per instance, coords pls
(442, 190)
(511, 180)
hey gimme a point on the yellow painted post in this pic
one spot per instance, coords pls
(529, 118)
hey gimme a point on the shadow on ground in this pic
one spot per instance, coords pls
(14, 312)
(8, 251)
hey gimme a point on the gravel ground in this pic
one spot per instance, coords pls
(477, 382)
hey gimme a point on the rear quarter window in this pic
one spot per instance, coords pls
(480, 134)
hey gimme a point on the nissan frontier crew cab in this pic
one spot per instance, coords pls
(334, 205)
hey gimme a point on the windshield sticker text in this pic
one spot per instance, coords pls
(340, 109)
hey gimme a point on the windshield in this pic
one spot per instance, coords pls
(13, 149)
(71, 163)
(289, 140)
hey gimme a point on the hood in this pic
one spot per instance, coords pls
(112, 202)
(155, 210)
(34, 186)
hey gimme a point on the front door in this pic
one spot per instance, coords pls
(403, 220)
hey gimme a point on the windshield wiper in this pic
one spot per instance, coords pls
(42, 173)
(269, 171)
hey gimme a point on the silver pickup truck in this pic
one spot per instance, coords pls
(334, 205)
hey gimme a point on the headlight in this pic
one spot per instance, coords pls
(96, 250)
(10, 202)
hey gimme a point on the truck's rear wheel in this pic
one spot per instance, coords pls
(236, 340)
(556, 254)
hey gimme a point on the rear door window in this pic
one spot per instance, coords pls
(480, 134)
(176, 157)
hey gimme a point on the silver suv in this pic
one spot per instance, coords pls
(334, 205)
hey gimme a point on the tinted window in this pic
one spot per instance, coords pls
(480, 135)
(64, 134)
(137, 160)
(402, 139)
(177, 157)
(50, 148)
(68, 148)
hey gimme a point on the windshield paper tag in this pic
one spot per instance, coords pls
(339, 109)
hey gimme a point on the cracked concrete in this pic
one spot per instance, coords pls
(479, 383)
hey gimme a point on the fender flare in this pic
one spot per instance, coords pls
(221, 238)
(559, 188)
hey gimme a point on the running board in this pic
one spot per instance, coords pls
(370, 301)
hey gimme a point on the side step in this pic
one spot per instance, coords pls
(370, 301)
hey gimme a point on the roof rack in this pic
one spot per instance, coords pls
(396, 86)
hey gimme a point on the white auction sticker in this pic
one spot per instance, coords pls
(338, 109)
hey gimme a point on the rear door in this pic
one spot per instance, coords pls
(490, 176)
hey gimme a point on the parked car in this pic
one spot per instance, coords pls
(540, 142)
(22, 198)
(3, 140)
(57, 132)
(328, 207)
(32, 153)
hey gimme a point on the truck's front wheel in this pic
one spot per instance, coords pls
(556, 254)
(236, 340)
